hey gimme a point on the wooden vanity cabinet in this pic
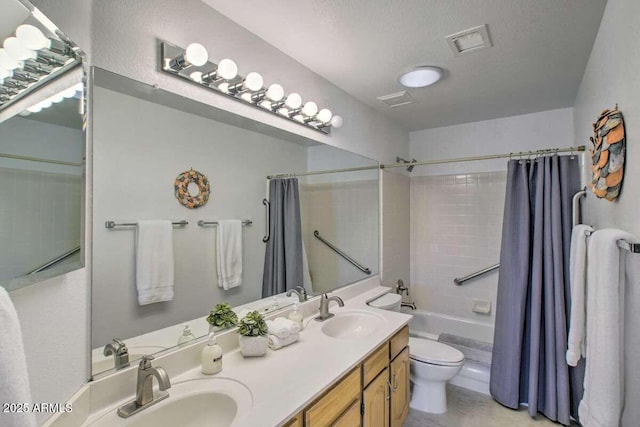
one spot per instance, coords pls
(399, 377)
(375, 394)
(295, 421)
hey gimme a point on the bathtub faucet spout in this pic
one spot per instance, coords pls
(411, 305)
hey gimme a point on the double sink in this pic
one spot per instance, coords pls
(220, 401)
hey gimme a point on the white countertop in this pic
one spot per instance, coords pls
(285, 381)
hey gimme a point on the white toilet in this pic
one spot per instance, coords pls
(432, 364)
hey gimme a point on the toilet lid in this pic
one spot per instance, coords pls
(430, 351)
(386, 301)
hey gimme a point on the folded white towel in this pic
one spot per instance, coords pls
(229, 253)
(292, 326)
(281, 331)
(275, 343)
(154, 261)
(603, 398)
(578, 274)
(14, 379)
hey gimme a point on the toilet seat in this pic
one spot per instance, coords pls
(387, 301)
(433, 352)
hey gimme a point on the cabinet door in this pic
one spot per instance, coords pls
(376, 401)
(400, 388)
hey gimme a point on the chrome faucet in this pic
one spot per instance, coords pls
(401, 288)
(324, 307)
(300, 292)
(119, 352)
(144, 388)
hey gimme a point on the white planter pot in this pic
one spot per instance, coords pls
(253, 346)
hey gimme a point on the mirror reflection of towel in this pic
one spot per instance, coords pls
(154, 261)
(229, 253)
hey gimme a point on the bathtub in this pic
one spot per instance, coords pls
(426, 324)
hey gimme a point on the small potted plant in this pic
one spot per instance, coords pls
(253, 335)
(222, 317)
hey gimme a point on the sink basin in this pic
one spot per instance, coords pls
(352, 324)
(214, 402)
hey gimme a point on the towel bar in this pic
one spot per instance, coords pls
(202, 223)
(112, 224)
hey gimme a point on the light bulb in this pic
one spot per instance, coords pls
(32, 38)
(253, 81)
(7, 61)
(275, 92)
(310, 109)
(337, 121)
(5, 73)
(227, 69)
(57, 98)
(35, 109)
(294, 101)
(196, 54)
(324, 115)
(224, 87)
(16, 50)
(46, 103)
(196, 76)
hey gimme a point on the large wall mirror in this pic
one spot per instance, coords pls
(143, 138)
(42, 149)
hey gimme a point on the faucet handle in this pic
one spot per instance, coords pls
(145, 362)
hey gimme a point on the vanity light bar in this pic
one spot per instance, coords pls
(193, 65)
(30, 58)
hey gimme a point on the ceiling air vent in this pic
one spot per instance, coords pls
(468, 41)
(396, 99)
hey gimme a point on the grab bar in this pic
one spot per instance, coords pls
(575, 213)
(460, 280)
(54, 261)
(268, 206)
(342, 254)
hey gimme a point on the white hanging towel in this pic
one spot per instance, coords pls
(14, 380)
(154, 261)
(578, 277)
(229, 253)
(602, 402)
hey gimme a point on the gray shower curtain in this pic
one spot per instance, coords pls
(283, 255)
(531, 324)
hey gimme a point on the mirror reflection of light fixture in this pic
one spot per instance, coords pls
(193, 65)
(194, 54)
(32, 38)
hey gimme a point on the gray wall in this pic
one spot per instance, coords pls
(612, 77)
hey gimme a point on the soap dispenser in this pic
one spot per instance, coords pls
(186, 335)
(296, 316)
(211, 358)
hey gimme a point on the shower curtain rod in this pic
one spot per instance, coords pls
(293, 175)
(488, 157)
(39, 160)
(435, 162)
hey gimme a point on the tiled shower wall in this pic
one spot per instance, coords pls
(40, 216)
(346, 214)
(456, 226)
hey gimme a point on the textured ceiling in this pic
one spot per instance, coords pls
(13, 14)
(540, 50)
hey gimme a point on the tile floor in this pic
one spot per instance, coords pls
(470, 409)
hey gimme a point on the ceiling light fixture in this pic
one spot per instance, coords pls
(421, 77)
(30, 58)
(193, 64)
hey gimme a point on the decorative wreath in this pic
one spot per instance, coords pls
(182, 189)
(607, 155)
